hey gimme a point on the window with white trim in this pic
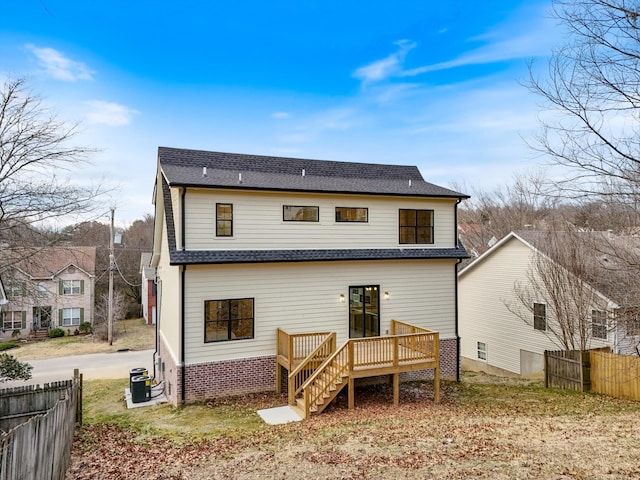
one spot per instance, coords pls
(12, 320)
(599, 324)
(71, 316)
(71, 287)
(482, 351)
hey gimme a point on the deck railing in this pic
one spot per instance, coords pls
(401, 328)
(298, 346)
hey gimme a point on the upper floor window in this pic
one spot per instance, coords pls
(224, 220)
(15, 290)
(539, 316)
(293, 213)
(228, 319)
(599, 324)
(416, 226)
(71, 287)
(352, 214)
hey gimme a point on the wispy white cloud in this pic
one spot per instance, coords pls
(109, 113)
(386, 67)
(60, 67)
(281, 115)
(339, 119)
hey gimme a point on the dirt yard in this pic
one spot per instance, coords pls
(482, 429)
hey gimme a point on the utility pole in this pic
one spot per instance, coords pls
(111, 262)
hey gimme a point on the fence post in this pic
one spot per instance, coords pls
(546, 369)
(77, 376)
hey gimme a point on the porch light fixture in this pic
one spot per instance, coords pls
(386, 295)
(342, 299)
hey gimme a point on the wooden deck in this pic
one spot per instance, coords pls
(318, 372)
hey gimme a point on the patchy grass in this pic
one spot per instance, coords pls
(482, 429)
(128, 335)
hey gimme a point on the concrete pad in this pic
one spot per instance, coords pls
(157, 397)
(279, 415)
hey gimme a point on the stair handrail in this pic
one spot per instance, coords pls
(328, 343)
(306, 386)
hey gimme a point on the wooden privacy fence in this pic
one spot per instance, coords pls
(40, 447)
(615, 375)
(567, 369)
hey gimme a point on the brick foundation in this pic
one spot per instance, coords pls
(235, 377)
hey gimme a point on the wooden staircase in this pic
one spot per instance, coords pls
(325, 384)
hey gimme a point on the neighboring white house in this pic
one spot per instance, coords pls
(246, 244)
(497, 340)
(3, 295)
(148, 288)
(53, 287)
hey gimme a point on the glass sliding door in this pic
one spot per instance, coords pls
(364, 311)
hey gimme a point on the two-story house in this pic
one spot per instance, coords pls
(246, 244)
(53, 287)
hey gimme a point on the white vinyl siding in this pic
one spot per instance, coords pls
(305, 297)
(484, 291)
(258, 221)
(168, 298)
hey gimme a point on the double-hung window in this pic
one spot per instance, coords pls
(224, 220)
(228, 319)
(540, 316)
(70, 316)
(71, 287)
(416, 226)
(13, 320)
(599, 324)
(482, 351)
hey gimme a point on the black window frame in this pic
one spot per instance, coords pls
(540, 319)
(416, 228)
(284, 213)
(230, 320)
(224, 221)
(346, 220)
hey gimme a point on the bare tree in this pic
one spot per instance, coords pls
(555, 298)
(592, 89)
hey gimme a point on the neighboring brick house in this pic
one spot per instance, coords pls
(148, 289)
(247, 244)
(53, 287)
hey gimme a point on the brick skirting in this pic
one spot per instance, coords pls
(235, 377)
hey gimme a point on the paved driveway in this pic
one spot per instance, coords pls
(92, 366)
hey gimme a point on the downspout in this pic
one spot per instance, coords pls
(455, 272)
(183, 217)
(182, 340)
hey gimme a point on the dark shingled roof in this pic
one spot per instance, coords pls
(209, 257)
(231, 170)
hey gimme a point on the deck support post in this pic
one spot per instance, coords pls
(396, 389)
(352, 393)
(436, 384)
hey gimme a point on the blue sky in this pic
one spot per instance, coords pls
(426, 83)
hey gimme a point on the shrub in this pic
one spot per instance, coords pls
(15, 333)
(8, 345)
(56, 332)
(85, 327)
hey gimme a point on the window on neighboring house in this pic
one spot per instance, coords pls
(228, 319)
(416, 226)
(539, 316)
(71, 316)
(292, 213)
(224, 220)
(599, 324)
(632, 325)
(482, 351)
(15, 290)
(14, 320)
(71, 287)
(352, 214)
